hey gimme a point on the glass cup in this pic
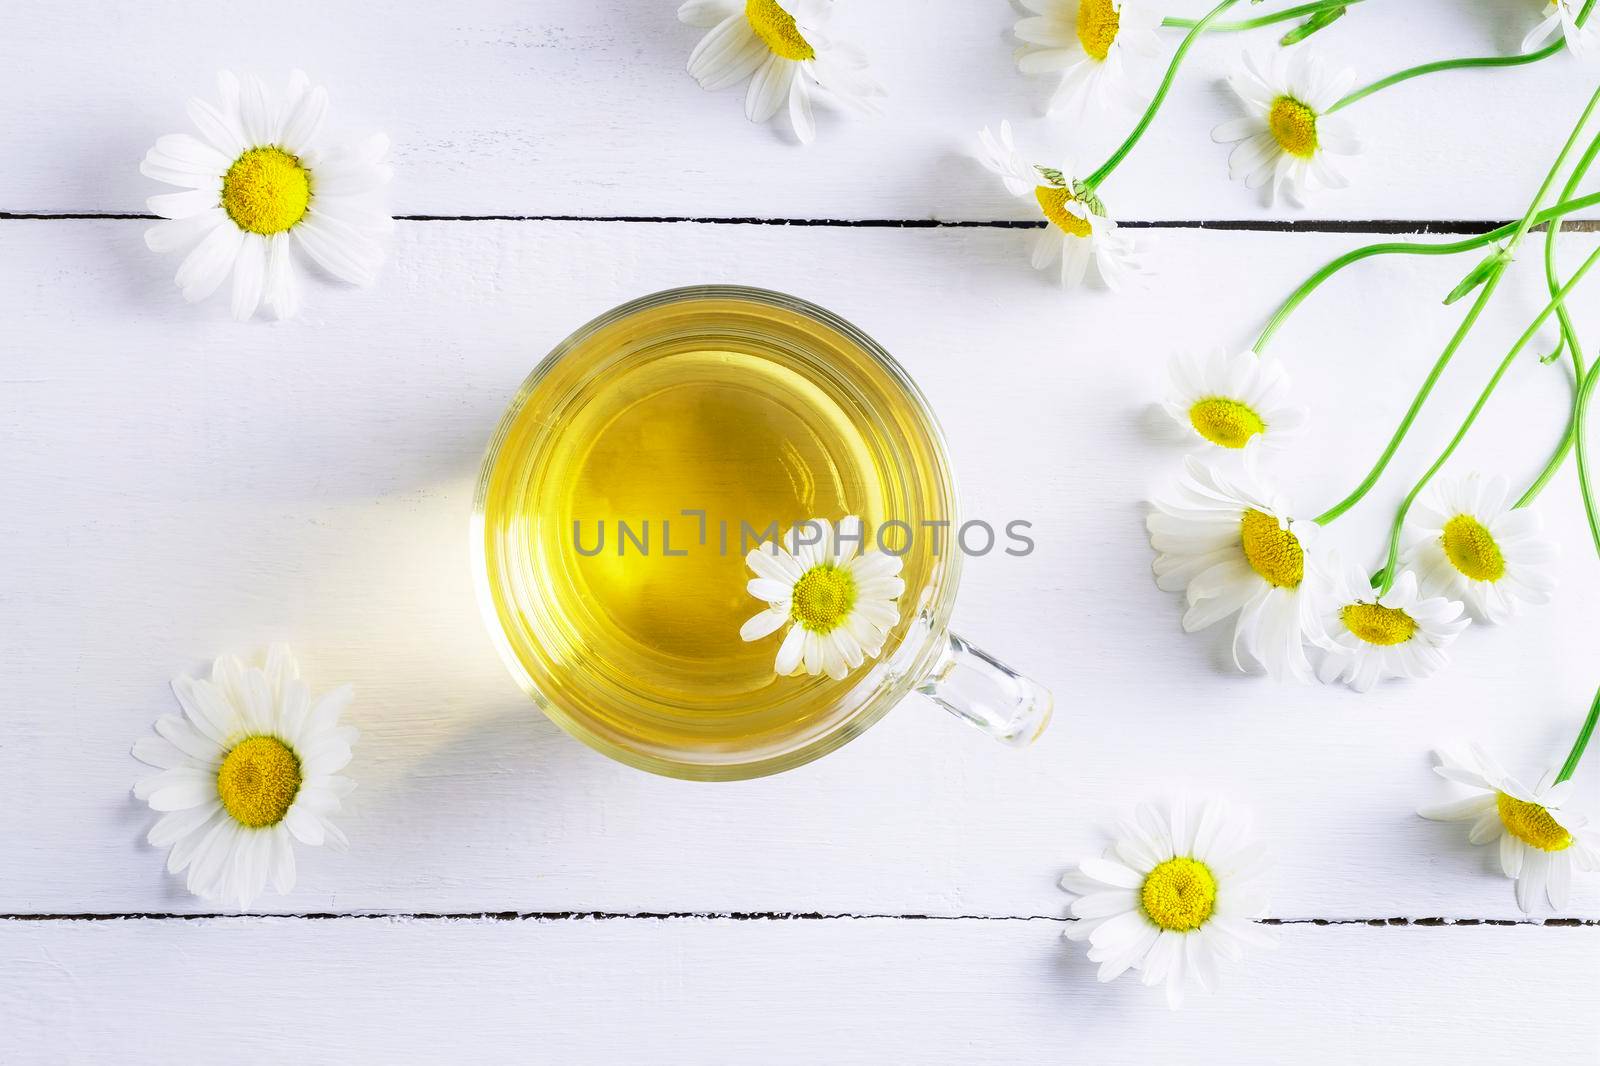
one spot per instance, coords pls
(691, 392)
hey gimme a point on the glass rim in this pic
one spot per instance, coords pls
(896, 685)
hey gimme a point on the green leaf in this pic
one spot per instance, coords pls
(1052, 175)
(1311, 25)
(1087, 197)
(1491, 264)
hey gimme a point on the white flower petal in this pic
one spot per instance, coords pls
(769, 88)
(338, 249)
(220, 128)
(206, 267)
(153, 751)
(175, 825)
(283, 862)
(811, 652)
(189, 740)
(197, 841)
(182, 205)
(249, 277)
(304, 121)
(282, 291)
(718, 49)
(773, 563)
(790, 651)
(182, 234)
(177, 789)
(765, 588)
(256, 113)
(1105, 904)
(763, 624)
(1531, 882)
(706, 13)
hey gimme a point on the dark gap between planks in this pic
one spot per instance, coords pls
(745, 916)
(1379, 226)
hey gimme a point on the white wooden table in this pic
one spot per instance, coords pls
(174, 484)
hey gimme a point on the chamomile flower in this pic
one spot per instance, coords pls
(1097, 46)
(1079, 232)
(1465, 541)
(1401, 633)
(1560, 19)
(838, 601)
(784, 50)
(1175, 897)
(259, 183)
(1233, 401)
(1539, 842)
(1286, 138)
(1229, 545)
(251, 767)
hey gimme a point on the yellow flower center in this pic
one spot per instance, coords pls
(258, 781)
(266, 191)
(1272, 552)
(1098, 23)
(1053, 202)
(1471, 549)
(777, 28)
(1225, 422)
(823, 597)
(1179, 895)
(1377, 624)
(1531, 824)
(1294, 126)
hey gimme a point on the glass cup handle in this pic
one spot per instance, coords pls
(979, 689)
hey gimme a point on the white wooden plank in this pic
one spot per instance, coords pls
(177, 485)
(499, 106)
(840, 991)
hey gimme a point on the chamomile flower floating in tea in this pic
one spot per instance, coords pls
(1466, 541)
(251, 767)
(1286, 139)
(1078, 232)
(258, 183)
(1539, 842)
(784, 50)
(1099, 48)
(1372, 635)
(1175, 897)
(1230, 546)
(1233, 401)
(1560, 21)
(838, 601)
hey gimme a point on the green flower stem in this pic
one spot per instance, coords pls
(1458, 64)
(1570, 767)
(1386, 576)
(1310, 285)
(1576, 437)
(1569, 333)
(1559, 458)
(1580, 418)
(1490, 284)
(1580, 406)
(1104, 172)
(1444, 64)
(1285, 15)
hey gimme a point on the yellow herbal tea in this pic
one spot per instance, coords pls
(640, 464)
